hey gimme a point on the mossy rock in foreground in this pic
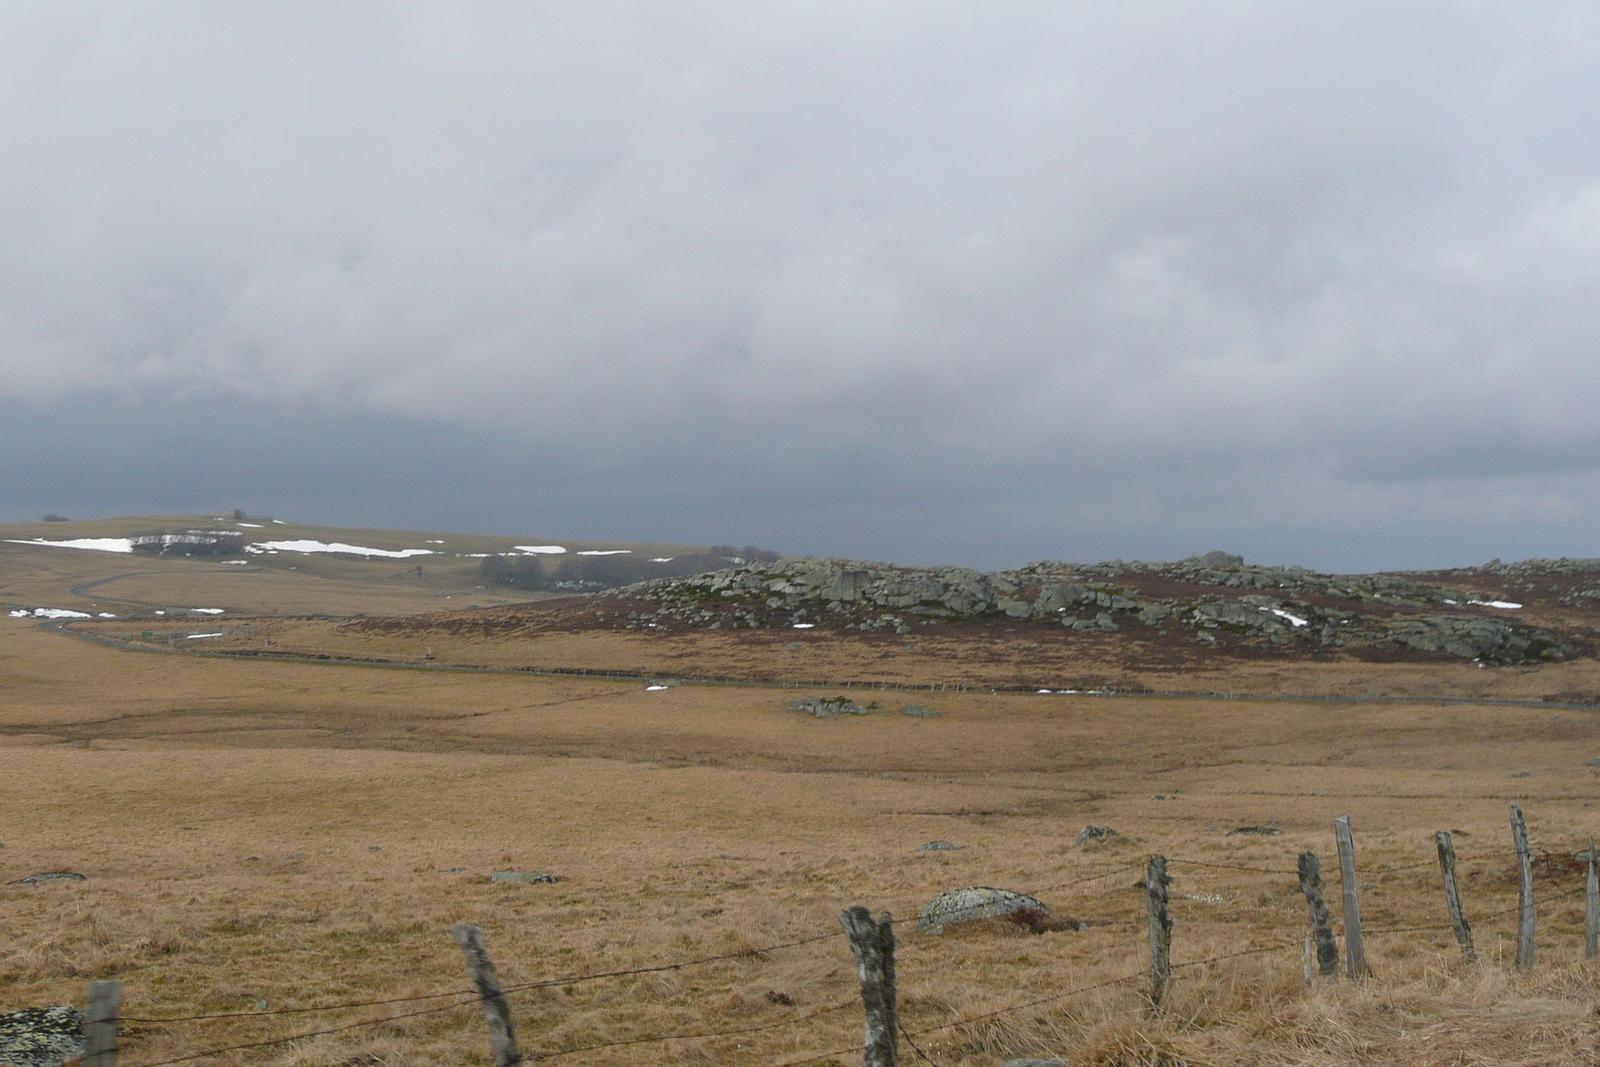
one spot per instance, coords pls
(41, 1037)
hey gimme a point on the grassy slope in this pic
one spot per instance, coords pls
(288, 583)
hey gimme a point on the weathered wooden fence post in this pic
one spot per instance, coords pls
(1525, 915)
(1452, 893)
(1355, 947)
(873, 946)
(1591, 907)
(100, 1024)
(1155, 891)
(496, 1009)
(1311, 886)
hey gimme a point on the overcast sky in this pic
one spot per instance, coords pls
(974, 283)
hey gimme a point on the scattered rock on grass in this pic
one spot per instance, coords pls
(1095, 833)
(523, 877)
(917, 711)
(940, 846)
(831, 707)
(41, 1037)
(49, 876)
(975, 902)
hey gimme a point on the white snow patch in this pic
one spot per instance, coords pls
(1496, 604)
(804, 625)
(58, 613)
(93, 544)
(209, 611)
(196, 637)
(428, 542)
(1449, 601)
(608, 552)
(536, 550)
(105, 615)
(253, 525)
(337, 546)
(663, 559)
(473, 555)
(279, 522)
(236, 562)
(1297, 620)
(656, 688)
(19, 614)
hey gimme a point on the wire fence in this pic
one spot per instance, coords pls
(464, 997)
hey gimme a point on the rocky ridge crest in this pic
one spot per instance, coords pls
(1207, 597)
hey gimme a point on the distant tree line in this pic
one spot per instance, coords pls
(575, 573)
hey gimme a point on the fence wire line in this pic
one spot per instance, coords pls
(311, 1033)
(914, 1046)
(676, 1037)
(1231, 866)
(542, 984)
(1107, 873)
(466, 997)
(575, 979)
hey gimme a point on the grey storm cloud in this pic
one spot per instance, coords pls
(967, 281)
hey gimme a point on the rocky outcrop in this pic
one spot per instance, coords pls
(1210, 597)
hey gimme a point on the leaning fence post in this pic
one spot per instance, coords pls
(1446, 843)
(1591, 908)
(873, 946)
(1311, 886)
(496, 1010)
(1355, 947)
(1155, 891)
(1525, 916)
(100, 1024)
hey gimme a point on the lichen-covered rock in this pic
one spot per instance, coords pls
(41, 1037)
(1095, 833)
(974, 902)
(45, 877)
(829, 707)
(523, 877)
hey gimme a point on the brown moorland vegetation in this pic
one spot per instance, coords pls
(294, 834)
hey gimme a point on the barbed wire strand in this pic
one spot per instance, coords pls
(914, 1046)
(310, 1034)
(1087, 878)
(678, 1037)
(1230, 866)
(541, 984)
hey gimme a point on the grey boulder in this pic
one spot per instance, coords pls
(975, 902)
(1095, 833)
(45, 877)
(523, 877)
(41, 1037)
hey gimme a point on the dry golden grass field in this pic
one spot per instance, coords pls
(270, 835)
